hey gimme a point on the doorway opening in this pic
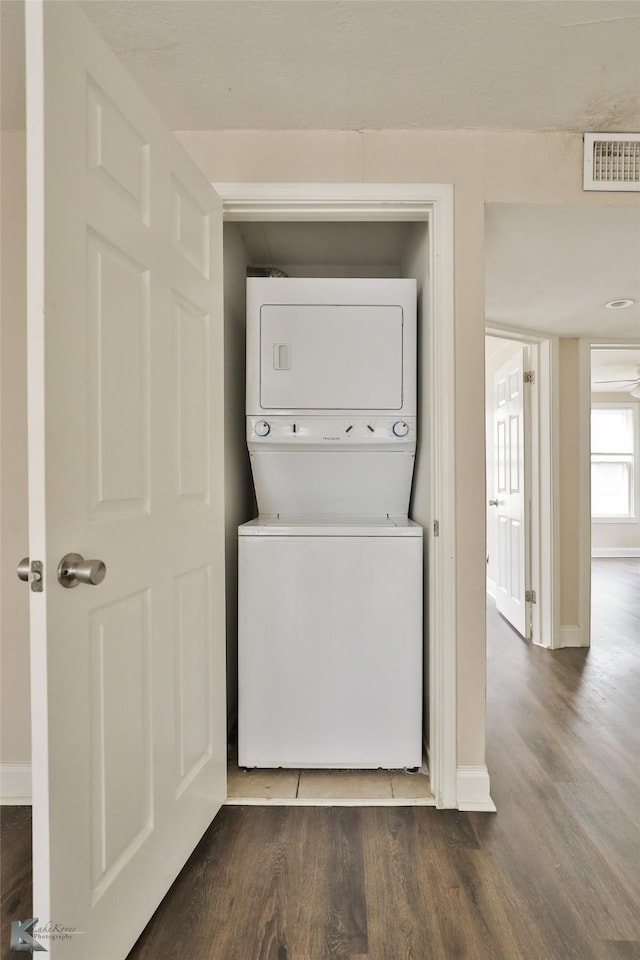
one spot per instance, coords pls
(314, 231)
(614, 473)
(522, 481)
(299, 249)
(614, 451)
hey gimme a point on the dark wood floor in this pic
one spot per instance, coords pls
(555, 875)
(15, 871)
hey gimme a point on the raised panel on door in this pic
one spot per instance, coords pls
(125, 380)
(193, 679)
(192, 360)
(117, 151)
(320, 357)
(118, 312)
(122, 767)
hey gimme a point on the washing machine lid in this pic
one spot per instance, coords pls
(330, 526)
(331, 357)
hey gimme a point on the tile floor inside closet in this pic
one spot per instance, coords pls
(328, 787)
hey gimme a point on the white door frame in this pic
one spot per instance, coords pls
(432, 203)
(544, 481)
(585, 346)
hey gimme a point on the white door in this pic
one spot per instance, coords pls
(125, 447)
(510, 499)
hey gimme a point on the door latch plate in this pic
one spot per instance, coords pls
(35, 576)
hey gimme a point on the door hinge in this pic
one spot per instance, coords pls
(529, 376)
(530, 596)
(436, 528)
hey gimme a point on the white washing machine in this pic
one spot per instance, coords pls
(330, 573)
(330, 643)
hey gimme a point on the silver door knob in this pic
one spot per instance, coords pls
(24, 569)
(74, 569)
(494, 503)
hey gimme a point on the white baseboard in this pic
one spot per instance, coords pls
(573, 636)
(615, 551)
(473, 789)
(15, 783)
(491, 588)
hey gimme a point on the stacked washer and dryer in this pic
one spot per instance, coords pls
(330, 573)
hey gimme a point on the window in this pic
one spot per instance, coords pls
(613, 432)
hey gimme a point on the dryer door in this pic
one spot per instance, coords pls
(338, 357)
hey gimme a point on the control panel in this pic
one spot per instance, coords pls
(325, 431)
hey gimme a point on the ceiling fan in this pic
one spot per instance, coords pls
(634, 383)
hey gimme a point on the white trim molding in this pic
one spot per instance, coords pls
(548, 512)
(615, 551)
(473, 788)
(432, 203)
(15, 784)
(333, 201)
(575, 635)
(584, 497)
(492, 589)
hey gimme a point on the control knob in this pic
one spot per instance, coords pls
(400, 428)
(261, 428)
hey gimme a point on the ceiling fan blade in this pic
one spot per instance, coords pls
(624, 380)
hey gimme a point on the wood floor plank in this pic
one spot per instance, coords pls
(620, 949)
(614, 835)
(310, 883)
(346, 930)
(474, 915)
(400, 917)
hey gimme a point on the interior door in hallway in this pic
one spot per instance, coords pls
(125, 446)
(511, 500)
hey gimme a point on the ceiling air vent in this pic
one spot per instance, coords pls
(612, 161)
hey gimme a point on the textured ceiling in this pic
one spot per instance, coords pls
(373, 64)
(614, 371)
(552, 267)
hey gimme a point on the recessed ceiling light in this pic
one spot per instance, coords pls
(619, 304)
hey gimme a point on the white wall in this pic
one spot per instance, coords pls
(339, 270)
(569, 445)
(240, 502)
(622, 538)
(415, 265)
